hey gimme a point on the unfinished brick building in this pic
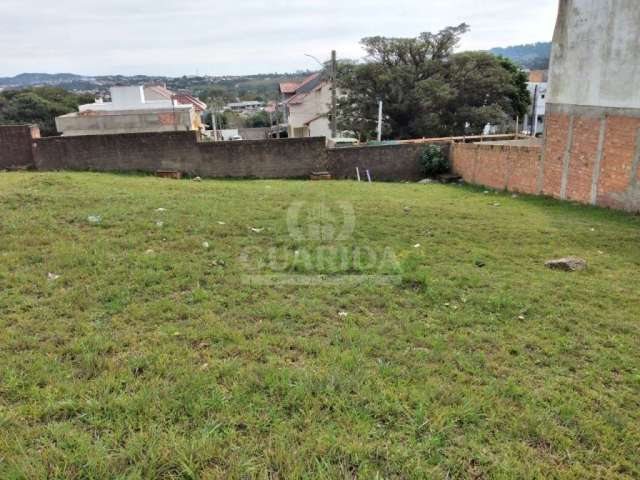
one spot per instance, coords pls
(592, 144)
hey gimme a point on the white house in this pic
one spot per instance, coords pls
(537, 85)
(308, 107)
(245, 107)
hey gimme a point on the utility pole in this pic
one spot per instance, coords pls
(380, 121)
(214, 124)
(278, 113)
(334, 96)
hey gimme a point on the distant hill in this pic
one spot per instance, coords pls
(249, 87)
(534, 56)
(30, 79)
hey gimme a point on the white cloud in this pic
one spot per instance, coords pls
(174, 37)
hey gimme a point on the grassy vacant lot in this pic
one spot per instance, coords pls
(150, 356)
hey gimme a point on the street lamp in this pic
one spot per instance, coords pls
(315, 58)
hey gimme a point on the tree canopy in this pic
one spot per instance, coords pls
(427, 89)
(39, 105)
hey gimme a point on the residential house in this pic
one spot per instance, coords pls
(130, 111)
(246, 108)
(537, 86)
(308, 107)
(161, 92)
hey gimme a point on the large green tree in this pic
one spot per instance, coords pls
(427, 89)
(39, 105)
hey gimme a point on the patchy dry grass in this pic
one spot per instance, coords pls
(152, 357)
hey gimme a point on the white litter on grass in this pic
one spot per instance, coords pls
(257, 230)
(592, 229)
(161, 209)
(417, 245)
(159, 224)
(221, 223)
(94, 219)
(343, 314)
(149, 252)
(205, 244)
(52, 276)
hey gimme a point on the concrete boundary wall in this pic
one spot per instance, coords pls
(384, 162)
(15, 146)
(181, 151)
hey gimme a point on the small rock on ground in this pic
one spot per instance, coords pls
(568, 264)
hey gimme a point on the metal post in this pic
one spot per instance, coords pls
(214, 124)
(173, 108)
(334, 97)
(277, 116)
(380, 121)
(534, 112)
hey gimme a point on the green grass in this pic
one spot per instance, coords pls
(169, 364)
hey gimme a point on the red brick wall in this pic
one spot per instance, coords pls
(612, 182)
(15, 146)
(617, 160)
(525, 166)
(588, 157)
(584, 151)
(557, 128)
(502, 167)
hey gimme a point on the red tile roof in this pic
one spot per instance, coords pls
(186, 99)
(299, 98)
(288, 87)
(161, 90)
(309, 79)
(182, 98)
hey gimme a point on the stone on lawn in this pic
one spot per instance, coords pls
(568, 264)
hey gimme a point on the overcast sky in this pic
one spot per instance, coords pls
(179, 37)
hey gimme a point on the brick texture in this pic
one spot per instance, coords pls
(617, 161)
(502, 167)
(557, 128)
(614, 186)
(584, 150)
